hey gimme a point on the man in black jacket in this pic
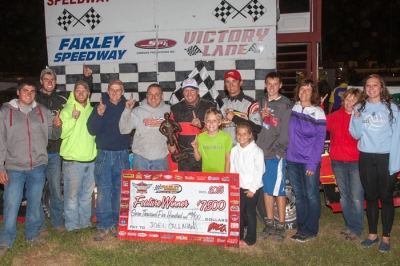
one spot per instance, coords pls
(55, 101)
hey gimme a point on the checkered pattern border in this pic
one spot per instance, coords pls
(138, 76)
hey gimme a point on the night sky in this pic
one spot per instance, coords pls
(351, 30)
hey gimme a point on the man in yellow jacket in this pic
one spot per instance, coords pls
(78, 150)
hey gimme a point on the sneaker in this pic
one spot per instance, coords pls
(280, 232)
(3, 250)
(368, 242)
(384, 247)
(304, 238)
(44, 233)
(38, 240)
(345, 232)
(268, 230)
(351, 237)
(100, 235)
(114, 230)
(296, 236)
(60, 229)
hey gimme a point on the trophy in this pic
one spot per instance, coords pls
(168, 128)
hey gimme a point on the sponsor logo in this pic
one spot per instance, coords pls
(131, 234)
(168, 176)
(189, 178)
(201, 178)
(124, 215)
(220, 240)
(234, 194)
(210, 178)
(125, 191)
(142, 187)
(129, 176)
(226, 178)
(153, 121)
(216, 227)
(235, 208)
(234, 217)
(160, 43)
(208, 239)
(234, 202)
(125, 184)
(172, 188)
(123, 222)
(142, 234)
(234, 225)
(147, 176)
(234, 234)
(153, 235)
(139, 176)
(232, 241)
(122, 233)
(124, 205)
(170, 236)
(196, 238)
(157, 177)
(234, 187)
(178, 177)
(181, 238)
(124, 198)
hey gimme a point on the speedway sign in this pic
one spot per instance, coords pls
(180, 207)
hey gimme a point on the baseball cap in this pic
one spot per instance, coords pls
(232, 74)
(190, 83)
(48, 71)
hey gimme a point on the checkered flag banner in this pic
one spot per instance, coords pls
(255, 49)
(223, 11)
(92, 18)
(255, 9)
(193, 50)
(206, 87)
(65, 19)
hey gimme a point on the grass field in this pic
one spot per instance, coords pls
(329, 248)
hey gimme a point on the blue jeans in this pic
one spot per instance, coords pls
(141, 163)
(34, 182)
(351, 194)
(53, 175)
(78, 190)
(107, 174)
(308, 200)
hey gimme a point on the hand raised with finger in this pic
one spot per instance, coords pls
(75, 113)
(87, 72)
(194, 143)
(195, 122)
(57, 121)
(101, 108)
(356, 112)
(130, 103)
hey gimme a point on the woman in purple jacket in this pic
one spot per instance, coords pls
(307, 129)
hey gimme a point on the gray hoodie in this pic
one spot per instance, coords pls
(148, 142)
(24, 137)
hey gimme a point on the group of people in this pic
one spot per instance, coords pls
(43, 129)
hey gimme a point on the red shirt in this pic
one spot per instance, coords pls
(343, 145)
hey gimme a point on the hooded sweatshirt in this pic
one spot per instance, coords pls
(78, 144)
(106, 128)
(148, 141)
(23, 137)
(273, 138)
(343, 145)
